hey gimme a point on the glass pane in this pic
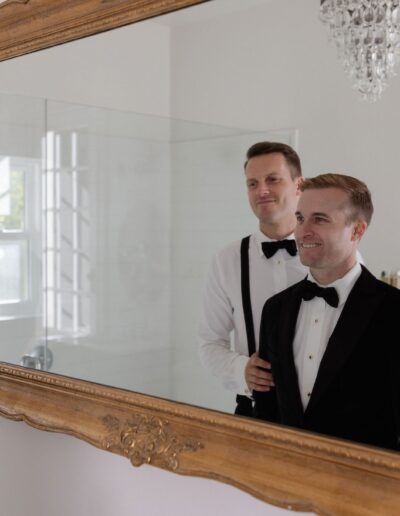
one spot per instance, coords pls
(128, 237)
(12, 197)
(22, 131)
(13, 260)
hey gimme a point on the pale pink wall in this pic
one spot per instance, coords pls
(46, 474)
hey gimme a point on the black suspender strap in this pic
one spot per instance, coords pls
(245, 283)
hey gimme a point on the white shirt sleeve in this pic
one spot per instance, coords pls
(222, 311)
(215, 327)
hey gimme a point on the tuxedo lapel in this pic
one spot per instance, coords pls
(357, 312)
(289, 382)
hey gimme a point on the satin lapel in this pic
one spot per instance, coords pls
(290, 384)
(360, 307)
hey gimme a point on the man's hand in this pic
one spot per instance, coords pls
(258, 379)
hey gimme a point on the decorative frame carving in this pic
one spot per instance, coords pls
(285, 467)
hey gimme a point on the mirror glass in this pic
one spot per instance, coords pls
(123, 209)
(121, 174)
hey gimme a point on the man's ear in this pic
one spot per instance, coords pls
(299, 181)
(359, 229)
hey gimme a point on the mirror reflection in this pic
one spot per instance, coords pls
(109, 218)
(111, 259)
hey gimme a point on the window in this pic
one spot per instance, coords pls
(20, 237)
(67, 249)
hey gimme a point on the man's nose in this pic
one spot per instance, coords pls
(305, 229)
(264, 189)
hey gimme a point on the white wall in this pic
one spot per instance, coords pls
(45, 474)
(125, 69)
(271, 67)
(266, 68)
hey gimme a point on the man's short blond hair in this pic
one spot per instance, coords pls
(360, 202)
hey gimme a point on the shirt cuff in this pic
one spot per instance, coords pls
(240, 366)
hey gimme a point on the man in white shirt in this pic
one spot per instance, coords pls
(329, 334)
(241, 277)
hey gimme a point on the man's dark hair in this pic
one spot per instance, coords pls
(291, 156)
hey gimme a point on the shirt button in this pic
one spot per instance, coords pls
(316, 320)
(310, 357)
(308, 394)
(279, 262)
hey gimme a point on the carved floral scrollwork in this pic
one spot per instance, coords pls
(147, 439)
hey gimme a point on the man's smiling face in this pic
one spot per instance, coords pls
(326, 236)
(273, 193)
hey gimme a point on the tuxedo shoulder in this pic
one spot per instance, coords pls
(382, 285)
(281, 297)
(389, 290)
(389, 295)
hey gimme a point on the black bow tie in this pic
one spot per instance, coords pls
(270, 248)
(310, 290)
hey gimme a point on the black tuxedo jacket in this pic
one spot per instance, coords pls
(356, 394)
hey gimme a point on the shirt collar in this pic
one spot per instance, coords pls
(259, 238)
(342, 285)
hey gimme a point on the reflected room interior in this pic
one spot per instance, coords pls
(120, 178)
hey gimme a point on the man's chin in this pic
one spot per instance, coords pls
(308, 261)
(267, 218)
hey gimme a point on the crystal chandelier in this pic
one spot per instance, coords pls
(367, 36)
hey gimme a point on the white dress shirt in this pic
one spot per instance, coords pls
(222, 310)
(316, 321)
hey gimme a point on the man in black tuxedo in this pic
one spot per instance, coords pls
(331, 338)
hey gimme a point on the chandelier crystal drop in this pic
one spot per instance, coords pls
(367, 36)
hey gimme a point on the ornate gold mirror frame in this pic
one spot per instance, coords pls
(285, 467)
